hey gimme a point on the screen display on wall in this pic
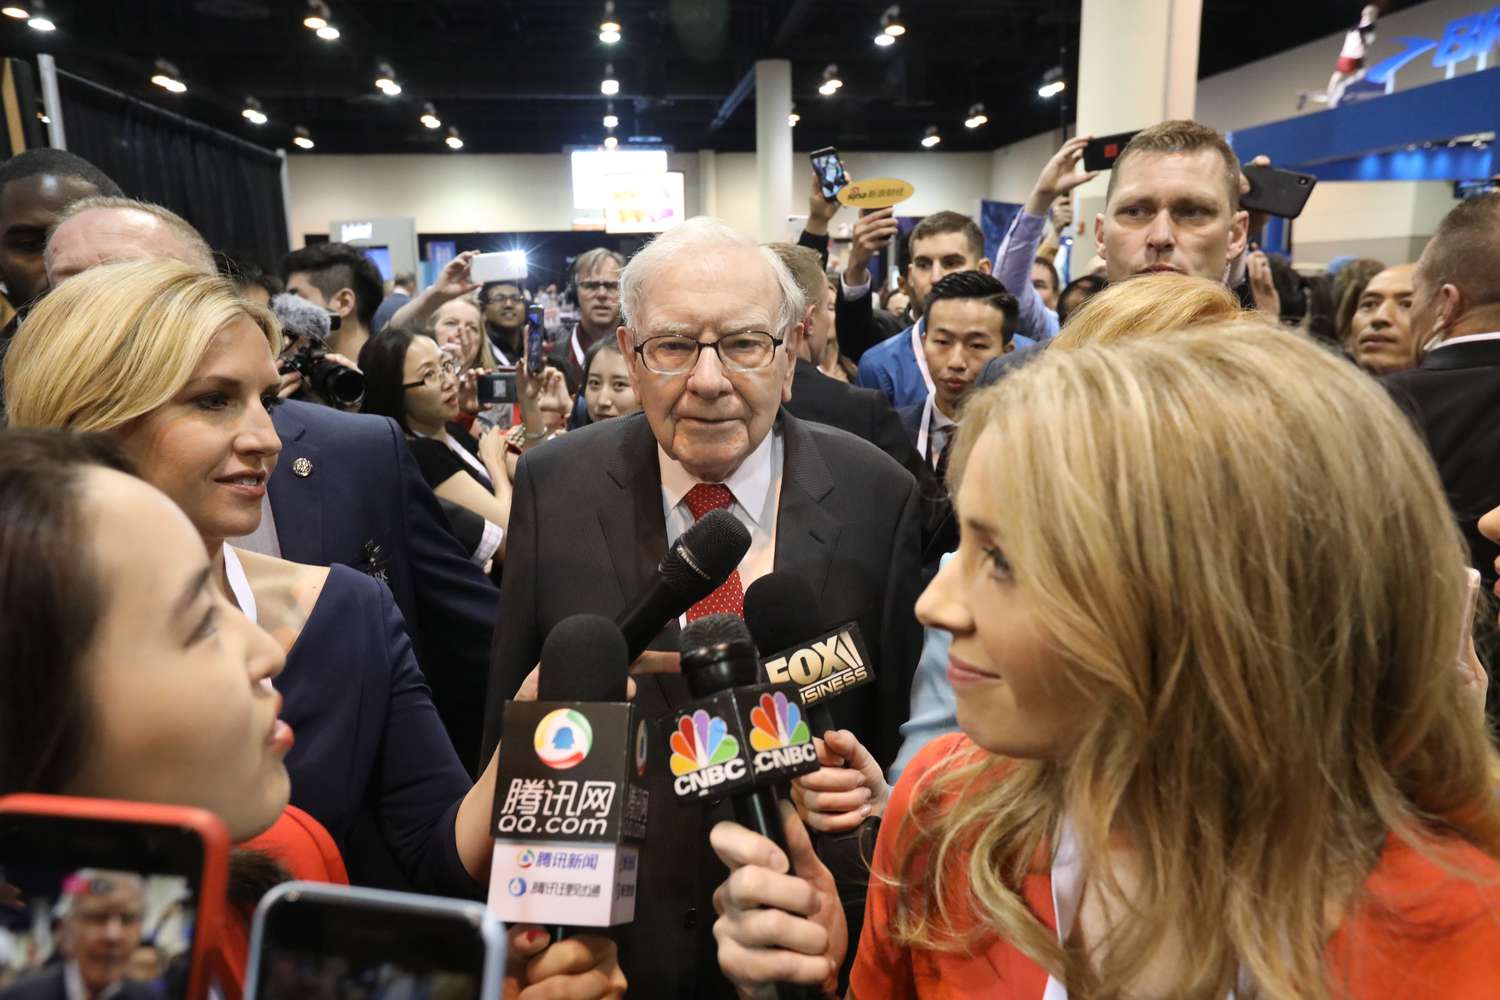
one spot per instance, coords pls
(591, 167)
(381, 258)
(643, 203)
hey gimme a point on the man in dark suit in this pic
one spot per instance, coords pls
(593, 515)
(1454, 392)
(100, 928)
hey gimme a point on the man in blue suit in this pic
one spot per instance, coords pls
(941, 244)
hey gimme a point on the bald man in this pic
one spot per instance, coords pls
(1380, 333)
(97, 231)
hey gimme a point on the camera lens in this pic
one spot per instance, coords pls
(339, 385)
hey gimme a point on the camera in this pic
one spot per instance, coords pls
(341, 386)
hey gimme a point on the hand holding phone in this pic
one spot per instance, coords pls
(1101, 153)
(536, 329)
(503, 265)
(832, 177)
(1282, 193)
(873, 232)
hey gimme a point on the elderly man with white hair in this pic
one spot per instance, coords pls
(710, 328)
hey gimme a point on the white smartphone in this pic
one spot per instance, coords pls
(311, 939)
(503, 265)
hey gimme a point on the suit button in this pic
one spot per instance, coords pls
(690, 918)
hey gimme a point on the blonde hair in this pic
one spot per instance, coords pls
(1148, 304)
(486, 356)
(1260, 625)
(118, 341)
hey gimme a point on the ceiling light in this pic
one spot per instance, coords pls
(43, 118)
(610, 142)
(831, 81)
(19, 13)
(611, 121)
(453, 141)
(884, 40)
(977, 116)
(385, 80)
(328, 33)
(609, 86)
(317, 15)
(609, 28)
(253, 112)
(301, 137)
(890, 23)
(40, 23)
(429, 116)
(1052, 83)
(168, 77)
(793, 118)
(931, 138)
(609, 37)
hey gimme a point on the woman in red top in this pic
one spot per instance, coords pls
(1206, 618)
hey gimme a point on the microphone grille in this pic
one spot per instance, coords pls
(584, 658)
(781, 611)
(706, 554)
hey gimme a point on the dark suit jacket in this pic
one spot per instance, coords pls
(365, 505)
(1454, 398)
(846, 523)
(48, 985)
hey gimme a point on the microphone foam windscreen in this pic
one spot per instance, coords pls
(711, 630)
(706, 554)
(299, 317)
(583, 659)
(781, 611)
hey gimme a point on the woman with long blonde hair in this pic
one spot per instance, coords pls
(1148, 304)
(1215, 736)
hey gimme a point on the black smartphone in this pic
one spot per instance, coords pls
(1101, 153)
(496, 387)
(1277, 192)
(536, 328)
(832, 177)
(116, 896)
(312, 940)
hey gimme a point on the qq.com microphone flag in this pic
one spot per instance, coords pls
(570, 801)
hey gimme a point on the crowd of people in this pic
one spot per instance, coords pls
(1162, 560)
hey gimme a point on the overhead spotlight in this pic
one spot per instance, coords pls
(885, 41)
(977, 117)
(301, 137)
(19, 13)
(385, 80)
(328, 33)
(609, 86)
(609, 28)
(429, 116)
(611, 121)
(793, 118)
(831, 81)
(41, 117)
(317, 15)
(610, 142)
(168, 77)
(891, 24)
(453, 141)
(931, 138)
(1052, 83)
(40, 22)
(253, 112)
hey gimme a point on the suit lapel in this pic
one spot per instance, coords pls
(296, 501)
(806, 534)
(635, 529)
(1475, 354)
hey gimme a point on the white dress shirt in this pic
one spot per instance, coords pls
(1468, 338)
(756, 486)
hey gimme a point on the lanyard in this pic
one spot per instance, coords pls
(577, 348)
(239, 584)
(925, 427)
(917, 329)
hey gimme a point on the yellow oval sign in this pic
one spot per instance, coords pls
(875, 192)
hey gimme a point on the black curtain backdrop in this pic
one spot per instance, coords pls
(229, 189)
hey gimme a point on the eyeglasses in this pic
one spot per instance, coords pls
(613, 287)
(507, 300)
(435, 376)
(738, 352)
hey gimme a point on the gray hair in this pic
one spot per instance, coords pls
(695, 236)
(591, 260)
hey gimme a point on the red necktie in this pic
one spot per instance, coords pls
(730, 597)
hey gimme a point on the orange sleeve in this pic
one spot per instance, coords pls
(303, 848)
(883, 967)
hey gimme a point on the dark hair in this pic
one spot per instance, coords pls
(1348, 285)
(241, 270)
(50, 604)
(60, 163)
(947, 222)
(383, 360)
(1088, 285)
(1465, 249)
(332, 267)
(597, 348)
(1051, 269)
(984, 287)
(488, 289)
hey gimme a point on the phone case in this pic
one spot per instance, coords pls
(474, 914)
(1282, 193)
(213, 880)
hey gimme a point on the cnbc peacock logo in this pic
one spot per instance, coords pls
(778, 735)
(563, 738)
(704, 754)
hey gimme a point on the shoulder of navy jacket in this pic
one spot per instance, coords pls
(754, 736)
(824, 666)
(571, 770)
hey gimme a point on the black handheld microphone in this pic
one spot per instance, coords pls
(695, 565)
(742, 738)
(782, 612)
(570, 797)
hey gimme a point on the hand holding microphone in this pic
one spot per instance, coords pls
(848, 789)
